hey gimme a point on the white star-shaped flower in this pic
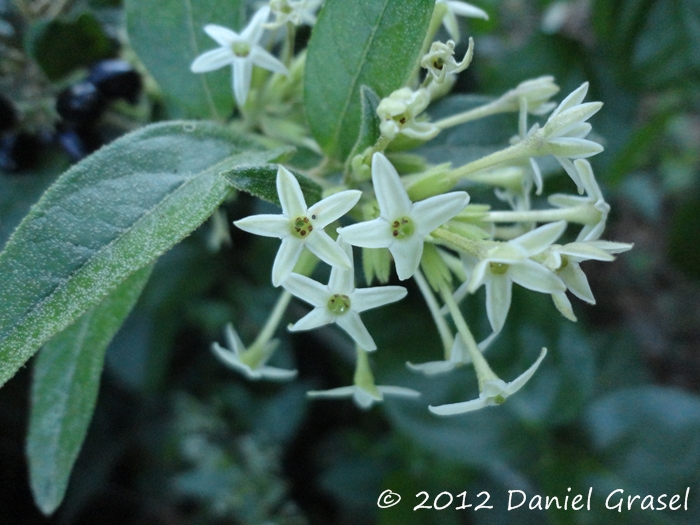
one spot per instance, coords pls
(251, 362)
(455, 9)
(493, 392)
(339, 301)
(363, 390)
(594, 197)
(509, 262)
(402, 225)
(365, 397)
(299, 226)
(298, 12)
(241, 52)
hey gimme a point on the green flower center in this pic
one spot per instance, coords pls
(564, 263)
(301, 227)
(498, 268)
(499, 399)
(402, 228)
(438, 64)
(338, 304)
(240, 49)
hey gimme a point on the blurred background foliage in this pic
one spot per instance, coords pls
(179, 439)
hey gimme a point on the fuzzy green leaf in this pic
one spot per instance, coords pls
(108, 216)
(369, 127)
(64, 391)
(260, 181)
(168, 35)
(376, 43)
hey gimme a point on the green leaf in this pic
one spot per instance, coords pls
(260, 181)
(60, 46)
(108, 216)
(369, 128)
(168, 35)
(620, 424)
(376, 43)
(64, 391)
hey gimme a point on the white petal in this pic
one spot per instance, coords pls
(585, 251)
(459, 408)
(228, 357)
(398, 391)
(562, 303)
(537, 175)
(433, 212)
(391, 194)
(323, 247)
(287, 256)
(420, 130)
(211, 60)
(265, 225)
(561, 200)
(576, 281)
(369, 234)
(307, 289)
(478, 276)
(536, 277)
(574, 98)
(583, 167)
(573, 148)
(350, 322)
(432, 368)
(366, 298)
(407, 254)
(242, 74)
(571, 171)
(233, 340)
(342, 280)
(464, 9)
(498, 297)
(365, 399)
(265, 60)
(520, 381)
(539, 239)
(333, 207)
(290, 194)
(315, 318)
(254, 30)
(343, 391)
(277, 374)
(222, 35)
(452, 25)
(612, 247)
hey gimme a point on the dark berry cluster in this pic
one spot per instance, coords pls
(79, 107)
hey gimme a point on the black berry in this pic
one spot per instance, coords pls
(8, 114)
(18, 151)
(78, 141)
(115, 78)
(82, 103)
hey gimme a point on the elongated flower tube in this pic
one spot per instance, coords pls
(402, 225)
(299, 226)
(363, 390)
(250, 362)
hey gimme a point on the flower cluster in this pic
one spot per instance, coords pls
(418, 218)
